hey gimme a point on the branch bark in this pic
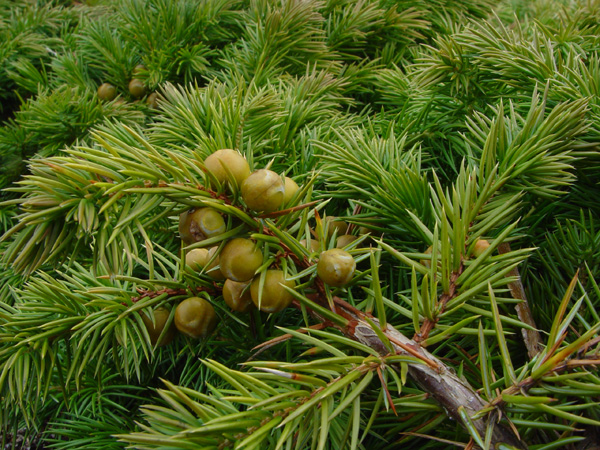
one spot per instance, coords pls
(532, 338)
(435, 378)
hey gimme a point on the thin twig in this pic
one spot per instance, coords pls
(532, 338)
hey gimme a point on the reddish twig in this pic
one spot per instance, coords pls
(532, 338)
(428, 324)
(145, 293)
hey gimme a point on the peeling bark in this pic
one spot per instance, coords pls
(437, 379)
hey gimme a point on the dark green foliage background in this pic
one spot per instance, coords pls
(378, 98)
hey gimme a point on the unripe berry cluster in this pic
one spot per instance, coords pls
(249, 274)
(137, 89)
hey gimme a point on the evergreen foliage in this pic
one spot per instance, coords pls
(437, 126)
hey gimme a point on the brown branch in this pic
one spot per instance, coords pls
(434, 377)
(442, 383)
(532, 338)
(413, 351)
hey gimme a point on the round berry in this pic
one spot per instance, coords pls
(207, 223)
(237, 295)
(138, 69)
(161, 315)
(107, 92)
(152, 101)
(195, 317)
(137, 88)
(263, 191)
(290, 189)
(240, 258)
(336, 267)
(344, 240)
(480, 246)
(197, 225)
(274, 297)
(333, 224)
(223, 162)
(314, 245)
(198, 260)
